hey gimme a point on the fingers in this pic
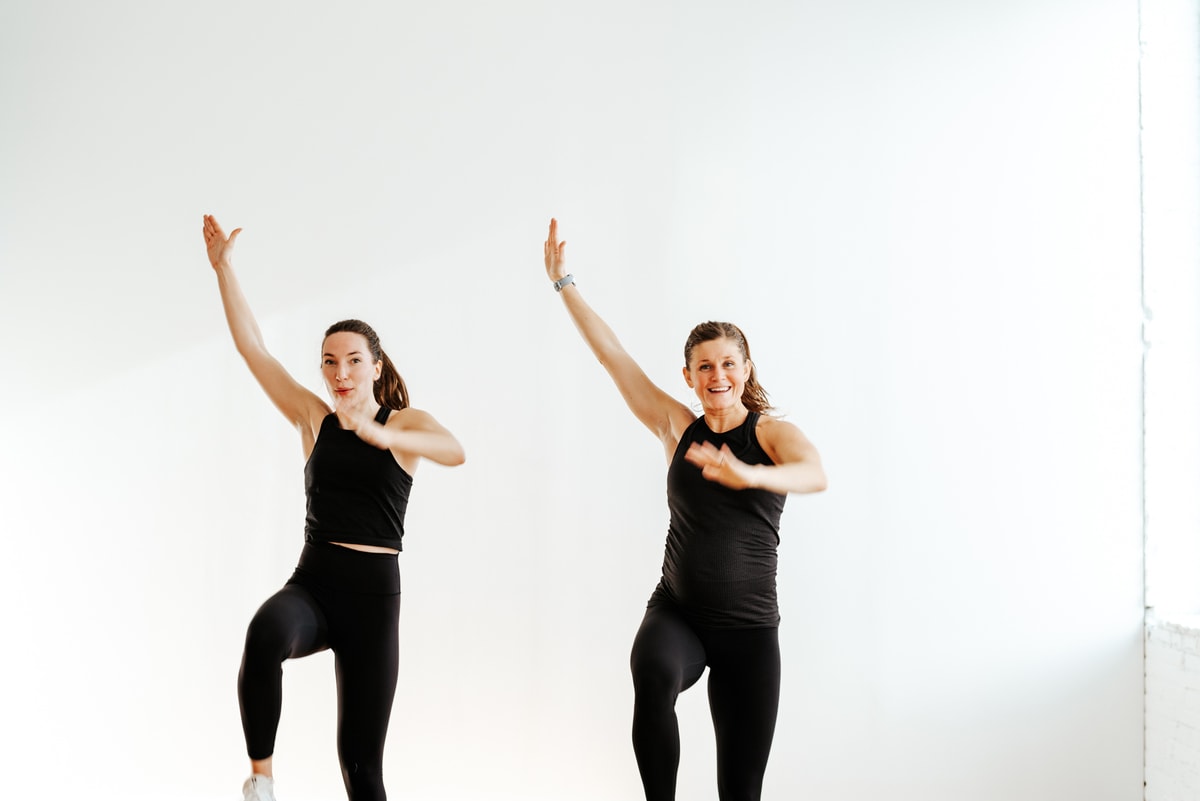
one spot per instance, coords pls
(213, 231)
(212, 228)
(552, 243)
(703, 455)
(717, 465)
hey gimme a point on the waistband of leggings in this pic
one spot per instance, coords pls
(347, 569)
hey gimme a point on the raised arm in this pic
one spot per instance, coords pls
(301, 407)
(663, 415)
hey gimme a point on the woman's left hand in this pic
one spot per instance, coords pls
(720, 465)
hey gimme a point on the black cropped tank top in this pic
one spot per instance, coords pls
(357, 493)
(720, 559)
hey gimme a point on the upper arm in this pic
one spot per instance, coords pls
(411, 419)
(798, 466)
(297, 403)
(434, 441)
(663, 415)
(785, 443)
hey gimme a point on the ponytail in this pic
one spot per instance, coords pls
(390, 390)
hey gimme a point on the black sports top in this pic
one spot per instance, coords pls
(721, 554)
(356, 492)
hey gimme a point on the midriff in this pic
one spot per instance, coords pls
(366, 548)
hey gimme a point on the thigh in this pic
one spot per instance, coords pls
(291, 624)
(743, 693)
(365, 639)
(666, 651)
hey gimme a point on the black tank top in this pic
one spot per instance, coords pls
(356, 492)
(721, 554)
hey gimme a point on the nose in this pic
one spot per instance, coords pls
(340, 373)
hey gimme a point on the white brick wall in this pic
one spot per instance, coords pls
(1173, 710)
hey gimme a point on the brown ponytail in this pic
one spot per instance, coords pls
(389, 389)
(754, 397)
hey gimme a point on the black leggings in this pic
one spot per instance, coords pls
(349, 602)
(669, 655)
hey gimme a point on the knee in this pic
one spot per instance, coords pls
(364, 781)
(654, 678)
(265, 640)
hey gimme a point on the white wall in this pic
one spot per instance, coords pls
(1170, 78)
(1172, 710)
(1170, 71)
(925, 216)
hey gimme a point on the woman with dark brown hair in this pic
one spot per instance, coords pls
(729, 472)
(344, 595)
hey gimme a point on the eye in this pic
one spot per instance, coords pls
(356, 360)
(704, 367)
(328, 361)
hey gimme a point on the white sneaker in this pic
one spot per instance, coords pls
(258, 788)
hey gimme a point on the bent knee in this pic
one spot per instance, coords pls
(656, 677)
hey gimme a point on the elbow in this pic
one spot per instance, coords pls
(820, 481)
(455, 456)
(250, 350)
(817, 482)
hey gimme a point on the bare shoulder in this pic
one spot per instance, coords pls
(783, 441)
(769, 426)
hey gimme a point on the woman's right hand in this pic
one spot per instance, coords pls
(220, 247)
(556, 258)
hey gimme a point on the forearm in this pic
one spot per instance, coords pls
(246, 335)
(436, 446)
(601, 339)
(794, 477)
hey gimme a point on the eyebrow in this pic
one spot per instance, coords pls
(351, 353)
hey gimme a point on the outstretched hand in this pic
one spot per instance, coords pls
(720, 465)
(555, 251)
(220, 247)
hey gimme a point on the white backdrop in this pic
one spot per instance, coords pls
(924, 215)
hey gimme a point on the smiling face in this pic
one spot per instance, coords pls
(717, 373)
(348, 368)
